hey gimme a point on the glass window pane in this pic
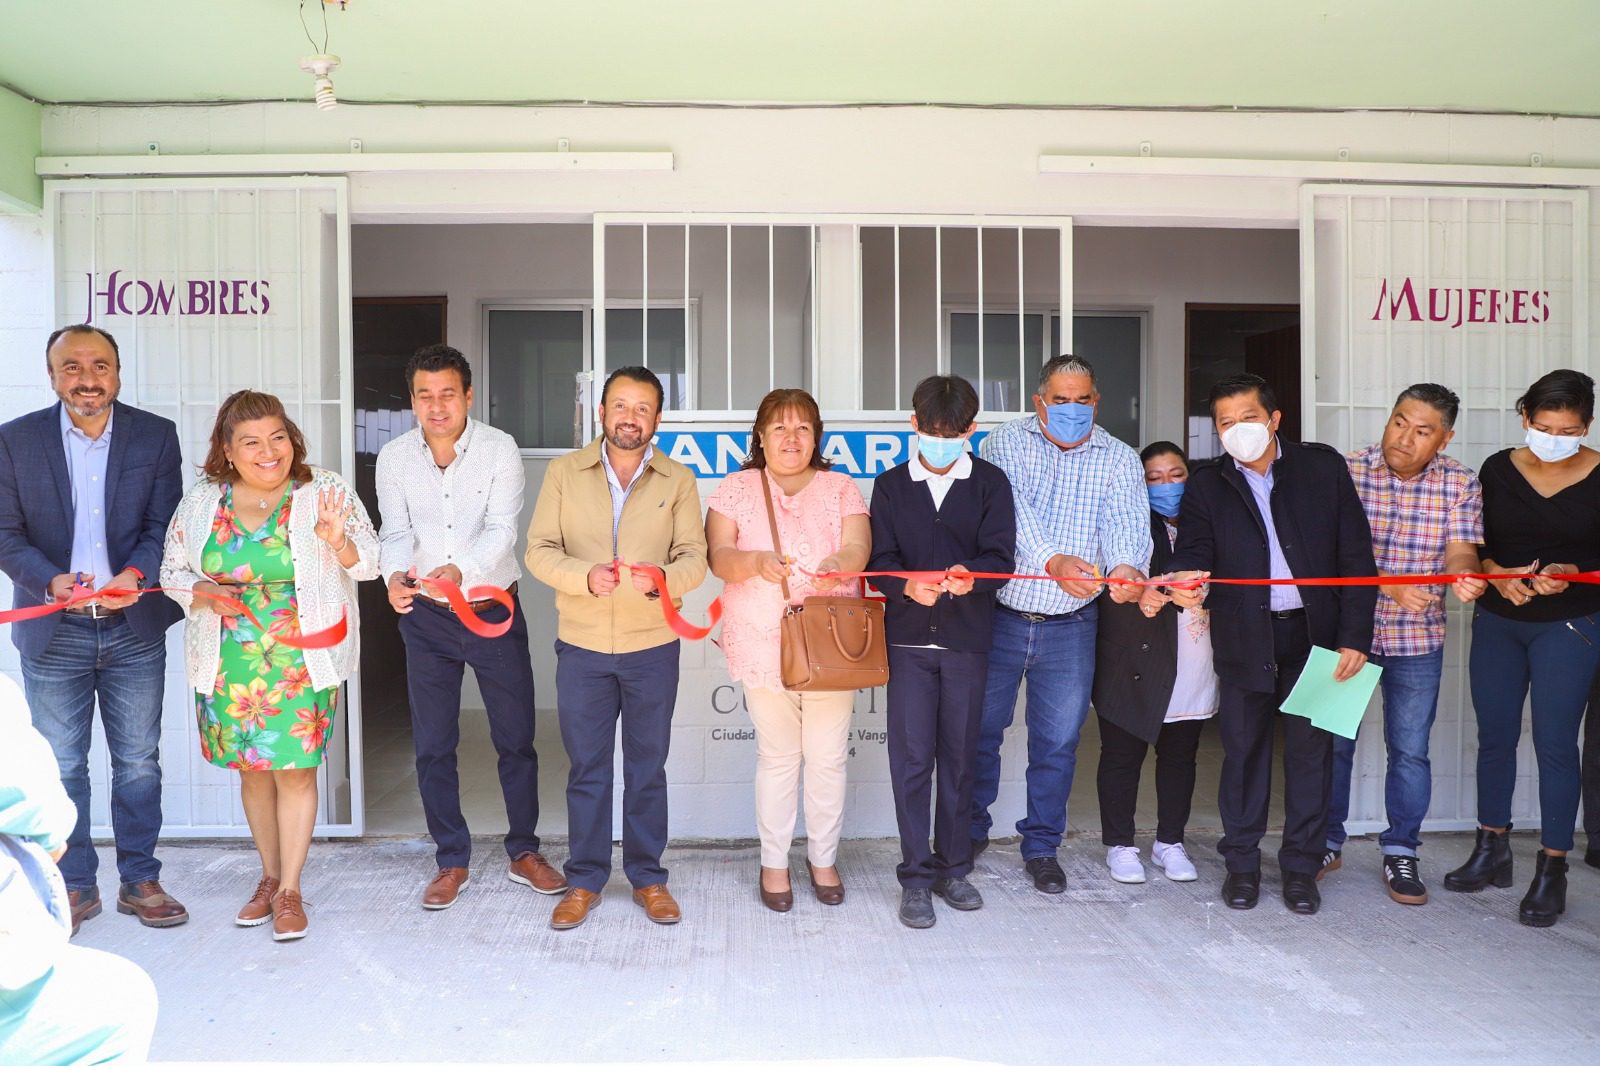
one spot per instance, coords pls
(1008, 373)
(625, 347)
(534, 357)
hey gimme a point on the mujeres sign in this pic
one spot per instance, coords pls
(1406, 302)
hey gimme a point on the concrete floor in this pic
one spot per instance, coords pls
(1104, 973)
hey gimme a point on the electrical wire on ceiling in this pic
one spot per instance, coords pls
(323, 47)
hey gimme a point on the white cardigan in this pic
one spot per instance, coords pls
(323, 588)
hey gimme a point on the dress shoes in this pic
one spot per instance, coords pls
(916, 908)
(1300, 892)
(958, 892)
(1048, 877)
(574, 908)
(1242, 890)
(531, 869)
(446, 886)
(85, 904)
(149, 902)
(1591, 856)
(259, 910)
(781, 901)
(832, 895)
(658, 904)
(288, 915)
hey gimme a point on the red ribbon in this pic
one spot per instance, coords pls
(1588, 577)
(460, 602)
(322, 638)
(669, 611)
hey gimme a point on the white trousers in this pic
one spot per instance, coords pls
(793, 728)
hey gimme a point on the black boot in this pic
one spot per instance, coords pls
(1489, 864)
(1547, 896)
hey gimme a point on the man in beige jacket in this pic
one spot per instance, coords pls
(607, 517)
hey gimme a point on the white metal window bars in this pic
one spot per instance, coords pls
(835, 406)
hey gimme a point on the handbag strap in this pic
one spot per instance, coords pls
(772, 521)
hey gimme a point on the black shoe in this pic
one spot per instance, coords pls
(1591, 857)
(1300, 892)
(978, 847)
(958, 892)
(1047, 875)
(1403, 875)
(1241, 890)
(1331, 861)
(1489, 864)
(916, 908)
(1547, 896)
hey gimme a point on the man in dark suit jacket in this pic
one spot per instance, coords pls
(87, 487)
(1273, 508)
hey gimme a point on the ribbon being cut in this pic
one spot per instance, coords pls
(460, 600)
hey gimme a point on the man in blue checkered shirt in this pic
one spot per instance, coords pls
(1082, 511)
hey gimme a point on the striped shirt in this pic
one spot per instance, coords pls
(1412, 522)
(1087, 501)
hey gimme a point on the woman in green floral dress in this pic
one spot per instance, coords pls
(264, 530)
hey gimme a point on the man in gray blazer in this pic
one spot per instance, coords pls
(87, 486)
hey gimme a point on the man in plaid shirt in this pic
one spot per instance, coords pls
(1426, 513)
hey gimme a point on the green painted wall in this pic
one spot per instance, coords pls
(20, 189)
(1470, 55)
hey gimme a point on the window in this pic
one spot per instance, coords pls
(535, 354)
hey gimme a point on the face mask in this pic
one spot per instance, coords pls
(1069, 422)
(1551, 448)
(940, 452)
(1164, 498)
(1247, 441)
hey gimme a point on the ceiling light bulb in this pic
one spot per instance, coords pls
(319, 67)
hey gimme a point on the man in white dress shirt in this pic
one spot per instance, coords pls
(450, 493)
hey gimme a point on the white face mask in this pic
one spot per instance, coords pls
(1246, 441)
(1551, 448)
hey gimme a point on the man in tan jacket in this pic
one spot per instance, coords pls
(608, 516)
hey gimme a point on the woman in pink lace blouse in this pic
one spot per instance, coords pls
(823, 527)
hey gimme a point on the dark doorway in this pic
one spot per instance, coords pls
(1226, 339)
(387, 330)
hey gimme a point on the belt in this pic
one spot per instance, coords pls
(1034, 616)
(95, 610)
(1290, 613)
(475, 606)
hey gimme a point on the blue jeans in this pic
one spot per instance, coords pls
(1057, 658)
(1410, 685)
(1555, 661)
(86, 658)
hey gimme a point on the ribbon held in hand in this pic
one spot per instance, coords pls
(669, 611)
(932, 577)
(322, 638)
(461, 603)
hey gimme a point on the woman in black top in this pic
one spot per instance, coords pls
(1541, 519)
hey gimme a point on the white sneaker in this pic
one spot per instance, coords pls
(1125, 865)
(1174, 861)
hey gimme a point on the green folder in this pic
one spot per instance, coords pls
(1336, 706)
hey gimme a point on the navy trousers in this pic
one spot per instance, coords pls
(935, 713)
(593, 691)
(438, 650)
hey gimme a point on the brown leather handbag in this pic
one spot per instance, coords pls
(829, 643)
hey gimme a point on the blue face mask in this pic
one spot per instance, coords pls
(1069, 422)
(940, 452)
(1164, 499)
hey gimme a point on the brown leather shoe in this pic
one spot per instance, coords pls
(259, 910)
(658, 904)
(530, 869)
(85, 904)
(150, 902)
(574, 908)
(832, 895)
(781, 901)
(446, 885)
(288, 916)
